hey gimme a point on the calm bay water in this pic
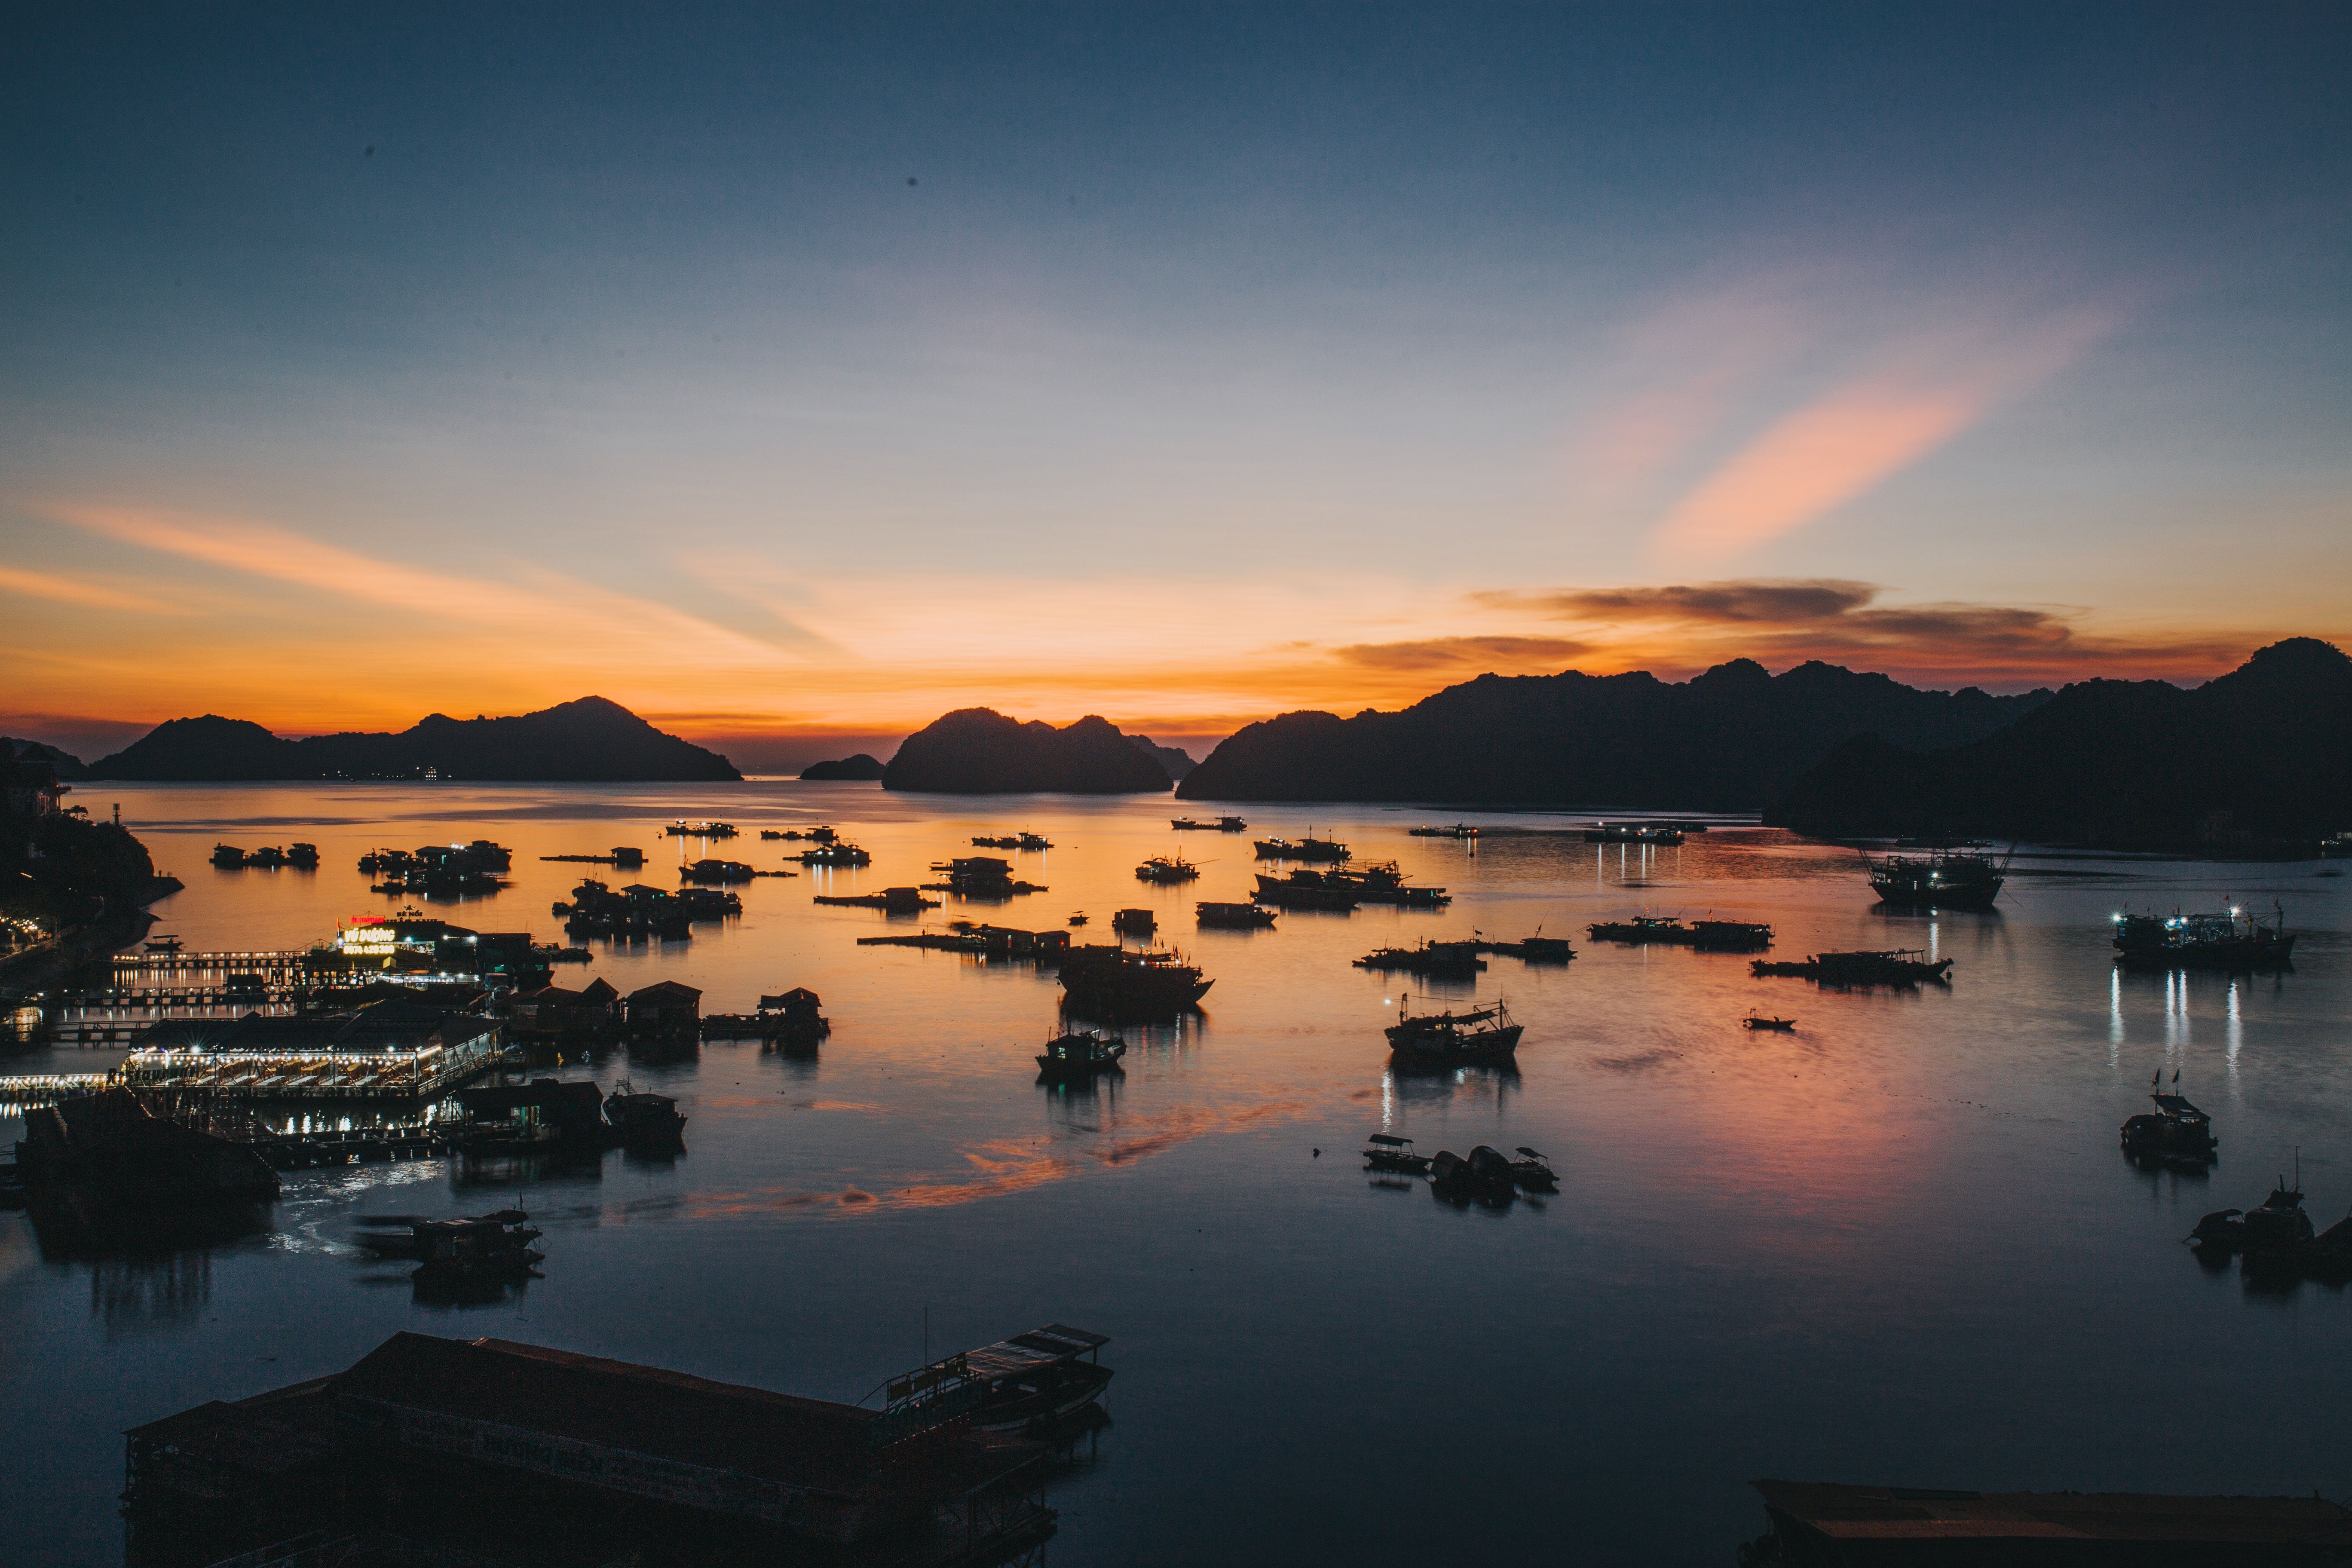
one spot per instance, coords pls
(1899, 1246)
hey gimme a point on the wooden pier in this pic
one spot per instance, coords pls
(24, 1090)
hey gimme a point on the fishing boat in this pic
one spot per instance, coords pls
(2233, 938)
(228, 857)
(1309, 849)
(1079, 918)
(1166, 870)
(1483, 1037)
(1642, 931)
(1134, 922)
(1112, 982)
(1633, 833)
(1223, 825)
(1380, 883)
(1307, 890)
(1966, 877)
(682, 828)
(409, 1235)
(1897, 967)
(1080, 1055)
(710, 873)
(2175, 1131)
(302, 857)
(1753, 1021)
(1731, 936)
(162, 943)
(1459, 830)
(646, 1119)
(838, 853)
(1458, 959)
(1233, 917)
(2277, 1224)
(1389, 1152)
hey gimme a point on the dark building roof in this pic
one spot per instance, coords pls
(614, 1405)
(1837, 1524)
(665, 991)
(387, 1026)
(564, 1101)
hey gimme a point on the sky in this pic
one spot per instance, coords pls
(794, 374)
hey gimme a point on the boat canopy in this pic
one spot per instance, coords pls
(1391, 1141)
(2173, 1105)
(1053, 1343)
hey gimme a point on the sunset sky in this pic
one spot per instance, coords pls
(794, 374)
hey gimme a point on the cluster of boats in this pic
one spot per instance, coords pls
(979, 877)
(1015, 841)
(682, 828)
(445, 869)
(1486, 1172)
(2276, 1239)
(639, 913)
(820, 835)
(1343, 887)
(835, 852)
(300, 857)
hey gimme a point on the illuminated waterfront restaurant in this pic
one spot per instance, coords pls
(387, 1049)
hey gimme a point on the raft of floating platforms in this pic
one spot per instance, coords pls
(1904, 966)
(624, 857)
(1537, 948)
(995, 941)
(1707, 936)
(892, 901)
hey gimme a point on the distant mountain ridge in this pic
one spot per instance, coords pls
(863, 767)
(978, 751)
(1732, 739)
(589, 741)
(2255, 761)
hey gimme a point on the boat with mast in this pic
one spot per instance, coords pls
(1951, 876)
(1481, 1036)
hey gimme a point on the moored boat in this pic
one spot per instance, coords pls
(1962, 878)
(1233, 917)
(1481, 1036)
(1430, 958)
(1031, 1381)
(2175, 1131)
(1167, 870)
(1391, 1153)
(1081, 1054)
(1309, 849)
(1532, 1172)
(1898, 967)
(1111, 982)
(1753, 1021)
(2233, 938)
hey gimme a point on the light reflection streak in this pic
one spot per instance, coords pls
(2234, 1036)
(2114, 1015)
